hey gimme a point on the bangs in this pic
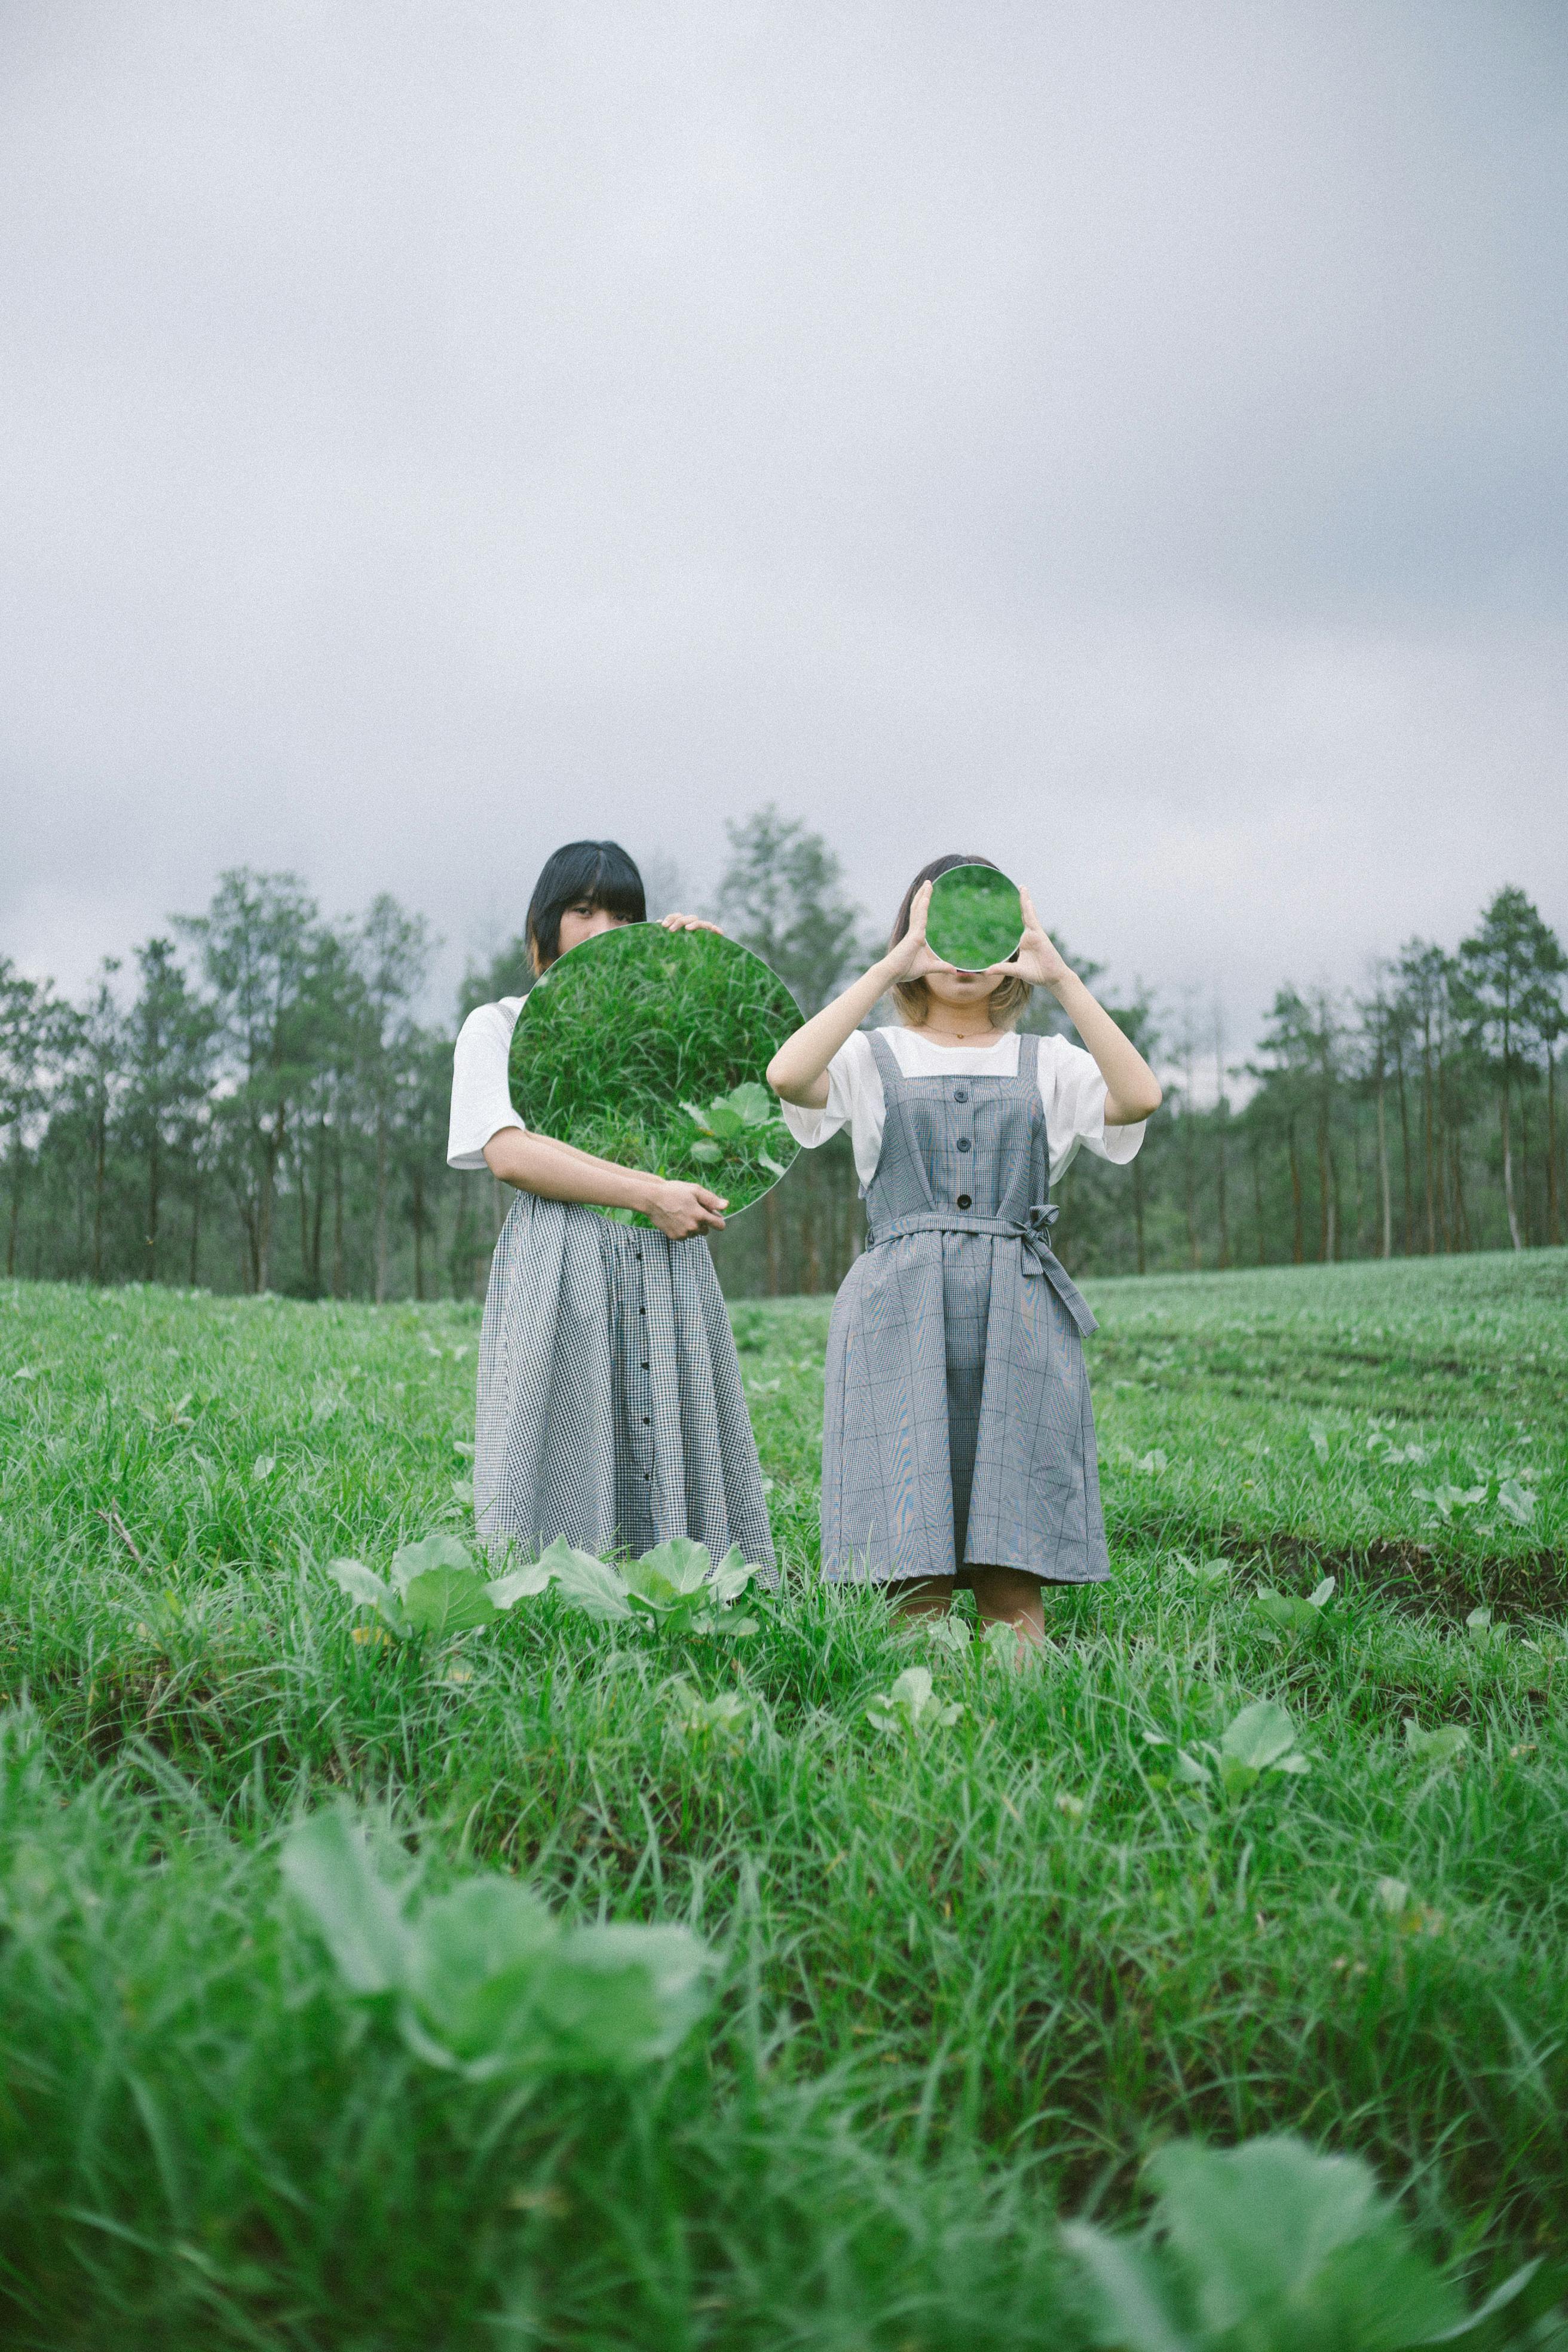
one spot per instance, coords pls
(597, 874)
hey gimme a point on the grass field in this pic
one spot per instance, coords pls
(969, 1976)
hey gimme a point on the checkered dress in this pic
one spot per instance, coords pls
(958, 1428)
(610, 1410)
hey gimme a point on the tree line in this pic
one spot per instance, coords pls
(252, 1101)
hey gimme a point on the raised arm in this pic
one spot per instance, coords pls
(798, 1071)
(1132, 1090)
(558, 1171)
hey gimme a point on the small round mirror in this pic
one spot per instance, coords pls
(649, 1047)
(975, 918)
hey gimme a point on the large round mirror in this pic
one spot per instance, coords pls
(649, 1047)
(975, 918)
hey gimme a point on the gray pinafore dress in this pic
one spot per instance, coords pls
(957, 1428)
(611, 1408)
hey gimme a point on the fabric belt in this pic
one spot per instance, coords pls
(1039, 1260)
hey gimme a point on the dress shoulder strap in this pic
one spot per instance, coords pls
(883, 1054)
(1030, 1056)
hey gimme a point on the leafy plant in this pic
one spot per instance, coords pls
(484, 1979)
(1209, 1575)
(725, 1720)
(1261, 1738)
(1443, 1744)
(1288, 1613)
(911, 1708)
(1482, 1632)
(747, 1114)
(436, 1588)
(674, 1590)
(1270, 2247)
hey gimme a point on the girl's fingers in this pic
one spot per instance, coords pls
(712, 1200)
(1031, 920)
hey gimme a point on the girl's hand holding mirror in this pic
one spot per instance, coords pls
(1036, 959)
(682, 1210)
(914, 954)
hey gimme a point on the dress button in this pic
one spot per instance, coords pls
(963, 1201)
(963, 1143)
(960, 1094)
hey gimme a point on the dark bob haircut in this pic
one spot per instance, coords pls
(596, 872)
(912, 997)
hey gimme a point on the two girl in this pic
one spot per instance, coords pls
(958, 1441)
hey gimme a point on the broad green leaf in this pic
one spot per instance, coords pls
(611, 1997)
(447, 1600)
(756, 1104)
(1252, 2224)
(1287, 1612)
(648, 1590)
(1235, 1776)
(730, 1578)
(1260, 1735)
(1439, 1746)
(683, 1564)
(706, 1153)
(262, 1467)
(1394, 1894)
(1188, 1771)
(519, 1583)
(476, 1952)
(591, 1585)
(696, 1116)
(1133, 2305)
(725, 1122)
(1321, 1594)
(435, 1551)
(766, 1159)
(326, 1864)
(361, 1584)
(1516, 1501)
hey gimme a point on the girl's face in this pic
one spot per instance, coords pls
(966, 992)
(585, 921)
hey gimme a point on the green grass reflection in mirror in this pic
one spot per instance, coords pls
(975, 918)
(649, 1047)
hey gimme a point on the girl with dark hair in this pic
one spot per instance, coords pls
(611, 1408)
(958, 1443)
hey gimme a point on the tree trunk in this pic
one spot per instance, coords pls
(1430, 1168)
(1220, 1202)
(1409, 1225)
(380, 1203)
(17, 1164)
(1385, 1194)
(1554, 1218)
(337, 1217)
(1325, 1196)
(195, 1224)
(1513, 1232)
(1298, 1232)
(1257, 1154)
(100, 1159)
(155, 1186)
(418, 1220)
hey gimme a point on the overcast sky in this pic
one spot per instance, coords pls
(1126, 439)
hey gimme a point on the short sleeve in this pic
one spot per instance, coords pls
(1073, 1093)
(854, 1100)
(481, 1092)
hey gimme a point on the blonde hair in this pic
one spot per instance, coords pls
(1006, 1003)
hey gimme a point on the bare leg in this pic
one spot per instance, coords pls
(1005, 1596)
(922, 1596)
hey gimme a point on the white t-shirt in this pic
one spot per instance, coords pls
(1071, 1089)
(481, 1091)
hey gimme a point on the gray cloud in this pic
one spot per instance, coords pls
(1126, 440)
